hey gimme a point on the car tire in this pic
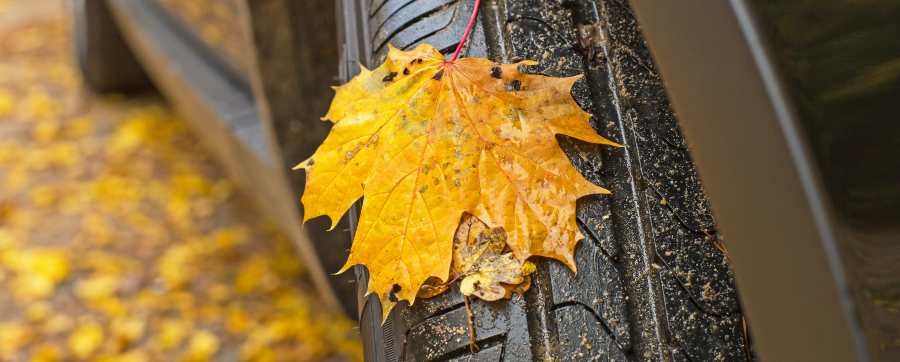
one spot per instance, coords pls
(654, 281)
(107, 64)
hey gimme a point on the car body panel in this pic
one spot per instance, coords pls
(790, 109)
(223, 107)
(219, 25)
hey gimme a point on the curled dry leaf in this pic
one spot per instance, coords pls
(488, 269)
(424, 140)
(484, 264)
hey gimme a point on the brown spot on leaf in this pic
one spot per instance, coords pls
(496, 72)
(392, 295)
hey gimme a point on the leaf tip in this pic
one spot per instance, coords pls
(569, 261)
(393, 52)
(305, 165)
(310, 212)
(609, 142)
(332, 221)
(386, 307)
(306, 215)
(349, 264)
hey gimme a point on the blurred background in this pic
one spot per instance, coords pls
(120, 237)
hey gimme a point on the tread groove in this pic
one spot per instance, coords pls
(681, 284)
(464, 351)
(383, 34)
(391, 12)
(374, 9)
(595, 239)
(592, 312)
(445, 26)
(437, 314)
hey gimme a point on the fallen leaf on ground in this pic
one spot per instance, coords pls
(127, 330)
(46, 353)
(203, 346)
(424, 140)
(38, 270)
(6, 103)
(85, 339)
(171, 332)
(13, 336)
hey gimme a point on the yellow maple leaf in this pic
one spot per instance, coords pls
(424, 140)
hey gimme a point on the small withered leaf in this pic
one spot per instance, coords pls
(487, 268)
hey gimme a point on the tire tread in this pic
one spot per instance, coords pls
(652, 283)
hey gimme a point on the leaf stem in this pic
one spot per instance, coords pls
(473, 345)
(462, 42)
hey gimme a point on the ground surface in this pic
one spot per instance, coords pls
(119, 238)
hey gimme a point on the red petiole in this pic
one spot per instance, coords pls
(465, 36)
